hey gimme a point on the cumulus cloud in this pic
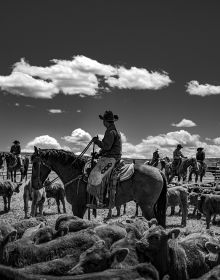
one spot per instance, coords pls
(43, 142)
(78, 137)
(139, 78)
(25, 85)
(80, 76)
(167, 143)
(184, 123)
(194, 88)
(217, 140)
(55, 111)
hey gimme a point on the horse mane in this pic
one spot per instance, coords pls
(62, 156)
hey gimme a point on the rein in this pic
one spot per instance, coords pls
(79, 177)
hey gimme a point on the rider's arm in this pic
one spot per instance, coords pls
(107, 142)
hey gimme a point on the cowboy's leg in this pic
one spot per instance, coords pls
(5, 203)
(98, 176)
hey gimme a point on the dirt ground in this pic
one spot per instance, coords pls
(50, 212)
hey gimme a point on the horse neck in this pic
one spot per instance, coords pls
(185, 164)
(65, 172)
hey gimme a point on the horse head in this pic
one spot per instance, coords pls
(17, 188)
(2, 157)
(40, 170)
(194, 164)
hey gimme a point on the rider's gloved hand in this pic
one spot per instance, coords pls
(95, 139)
(95, 155)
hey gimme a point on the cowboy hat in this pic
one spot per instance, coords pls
(109, 116)
(179, 146)
(16, 142)
(200, 149)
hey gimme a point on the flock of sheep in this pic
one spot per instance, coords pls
(121, 248)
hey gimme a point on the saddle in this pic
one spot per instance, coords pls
(120, 172)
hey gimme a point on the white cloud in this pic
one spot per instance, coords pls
(217, 140)
(184, 123)
(194, 88)
(25, 85)
(167, 143)
(55, 111)
(43, 142)
(139, 78)
(78, 137)
(78, 76)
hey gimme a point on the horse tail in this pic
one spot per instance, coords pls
(161, 205)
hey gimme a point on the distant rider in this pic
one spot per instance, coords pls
(16, 150)
(200, 155)
(155, 158)
(177, 156)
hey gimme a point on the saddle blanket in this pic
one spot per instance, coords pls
(124, 171)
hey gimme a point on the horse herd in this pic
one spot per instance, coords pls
(135, 248)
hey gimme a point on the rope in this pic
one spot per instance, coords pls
(83, 152)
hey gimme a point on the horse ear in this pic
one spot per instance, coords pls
(36, 150)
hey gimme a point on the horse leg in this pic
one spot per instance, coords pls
(15, 175)
(9, 202)
(5, 203)
(172, 213)
(58, 204)
(196, 177)
(118, 210)
(34, 203)
(190, 176)
(89, 214)
(136, 212)
(41, 207)
(63, 203)
(26, 199)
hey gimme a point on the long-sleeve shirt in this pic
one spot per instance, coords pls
(111, 145)
(15, 149)
(177, 154)
(200, 156)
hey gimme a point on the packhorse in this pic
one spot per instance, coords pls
(147, 186)
(13, 166)
(181, 170)
(200, 172)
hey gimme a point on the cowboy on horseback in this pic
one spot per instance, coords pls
(16, 150)
(200, 155)
(177, 157)
(109, 155)
(155, 158)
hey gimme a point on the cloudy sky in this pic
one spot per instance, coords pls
(154, 63)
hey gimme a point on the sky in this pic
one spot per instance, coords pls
(153, 63)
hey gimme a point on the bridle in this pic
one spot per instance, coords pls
(41, 162)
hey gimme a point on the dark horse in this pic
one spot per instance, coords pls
(13, 165)
(181, 170)
(199, 172)
(148, 186)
